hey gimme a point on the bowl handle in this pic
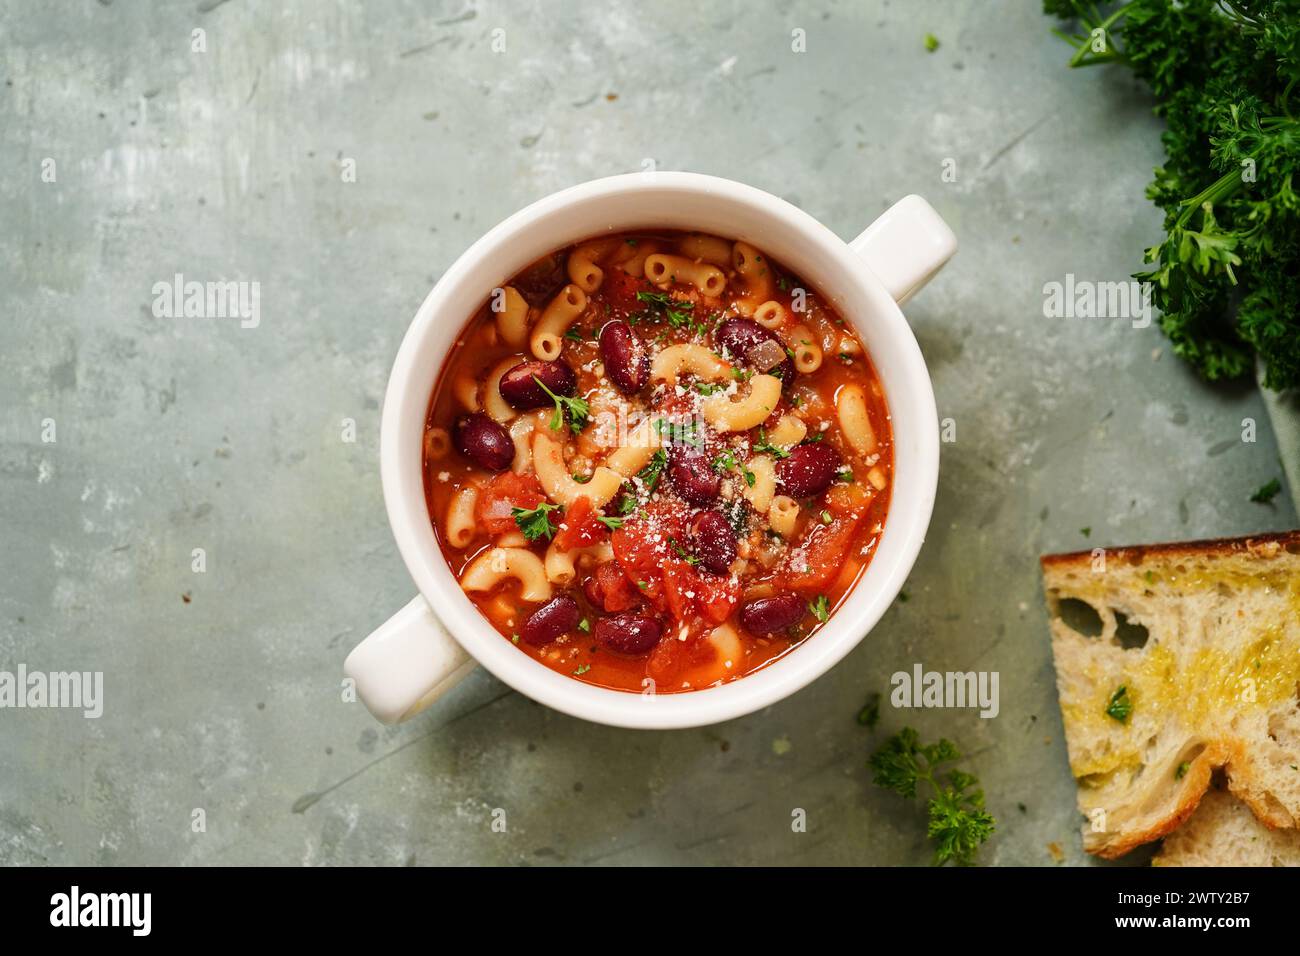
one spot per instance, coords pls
(406, 664)
(906, 246)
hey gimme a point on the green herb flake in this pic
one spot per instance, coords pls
(821, 608)
(1120, 705)
(869, 715)
(1266, 493)
(535, 523)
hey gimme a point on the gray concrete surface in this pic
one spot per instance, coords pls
(175, 434)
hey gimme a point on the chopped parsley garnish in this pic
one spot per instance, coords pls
(1182, 770)
(535, 523)
(821, 608)
(581, 669)
(869, 715)
(652, 472)
(763, 445)
(742, 374)
(1120, 705)
(682, 553)
(813, 438)
(676, 312)
(573, 335)
(707, 388)
(585, 626)
(679, 433)
(581, 479)
(727, 461)
(576, 408)
(1267, 493)
(826, 517)
(846, 475)
(613, 524)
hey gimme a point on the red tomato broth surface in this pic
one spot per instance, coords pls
(653, 572)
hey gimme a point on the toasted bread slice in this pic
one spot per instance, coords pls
(1224, 832)
(1216, 683)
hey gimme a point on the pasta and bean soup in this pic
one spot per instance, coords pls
(657, 460)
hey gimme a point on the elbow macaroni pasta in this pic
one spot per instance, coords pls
(782, 515)
(548, 461)
(461, 526)
(499, 564)
(708, 279)
(512, 320)
(728, 415)
(760, 493)
(696, 360)
(496, 406)
(642, 442)
(788, 432)
(706, 248)
(855, 425)
(559, 314)
(807, 353)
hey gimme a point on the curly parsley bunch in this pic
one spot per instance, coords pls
(1226, 278)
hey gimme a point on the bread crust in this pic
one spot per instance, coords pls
(1266, 542)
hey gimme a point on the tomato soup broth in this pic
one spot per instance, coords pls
(657, 461)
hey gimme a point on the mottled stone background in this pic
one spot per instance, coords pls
(223, 688)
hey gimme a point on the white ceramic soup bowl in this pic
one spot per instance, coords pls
(432, 643)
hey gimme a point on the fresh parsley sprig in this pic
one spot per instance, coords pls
(576, 409)
(1224, 75)
(535, 523)
(958, 823)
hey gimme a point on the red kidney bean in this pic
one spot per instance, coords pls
(771, 615)
(550, 621)
(712, 541)
(520, 390)
(484, 442)
(692, 475)
(628, 633)
(626, 362)
(738, 336)
(808, 471)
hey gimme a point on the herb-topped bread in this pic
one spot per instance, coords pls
(1214, 681)
(1223, 832)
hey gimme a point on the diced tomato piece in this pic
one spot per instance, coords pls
(642, 543)
(610, 589)
(716, 596)
(826, 546)
(504, 493)
(581, 526)
(673, 658)
(679, 589)
(620, 289)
